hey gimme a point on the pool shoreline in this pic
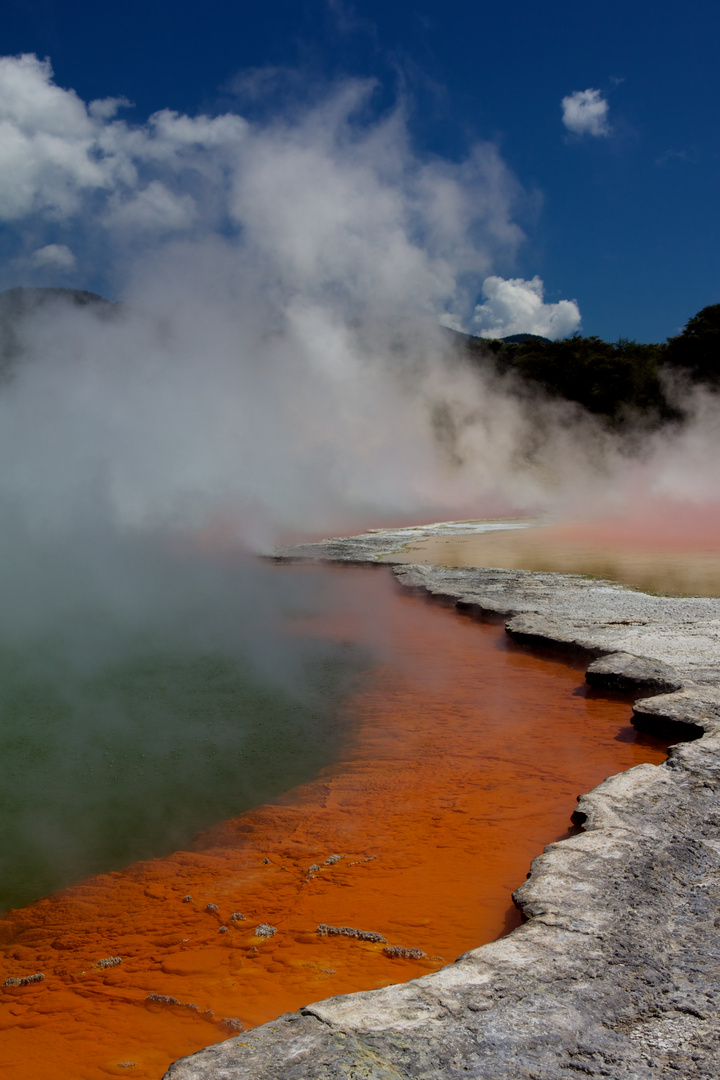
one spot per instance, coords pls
(614, 972)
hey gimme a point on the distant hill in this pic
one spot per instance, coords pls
(520, 339)
(21, 300)
(18, 303)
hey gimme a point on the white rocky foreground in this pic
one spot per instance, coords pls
(616, 973)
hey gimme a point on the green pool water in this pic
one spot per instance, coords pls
(126, 728)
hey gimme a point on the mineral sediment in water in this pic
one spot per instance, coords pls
(617, 968)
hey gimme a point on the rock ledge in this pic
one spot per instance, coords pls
(616, 973)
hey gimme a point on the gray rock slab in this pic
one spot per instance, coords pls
(621, 671)
(616, 972)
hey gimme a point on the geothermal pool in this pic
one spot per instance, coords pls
(152, 703)
(460, 757)
(671, 549)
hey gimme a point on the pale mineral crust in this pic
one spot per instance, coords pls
(616, 973)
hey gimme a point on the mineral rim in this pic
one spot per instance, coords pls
(616, 971)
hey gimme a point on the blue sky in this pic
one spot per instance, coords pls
(619, 215)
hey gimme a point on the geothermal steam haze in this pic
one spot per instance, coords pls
(277, 364)
(278, 361)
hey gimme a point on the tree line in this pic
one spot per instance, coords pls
(622, 382)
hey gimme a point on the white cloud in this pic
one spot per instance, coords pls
(173, 130)
(321, 196)
(46, 137)
(515, 306)
(155, 208)
(56, 153)
(53, 256)
(585, 112)
(32, 103)
(107, 108)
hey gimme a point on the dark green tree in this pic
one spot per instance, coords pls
(617, 381)
(697, 350)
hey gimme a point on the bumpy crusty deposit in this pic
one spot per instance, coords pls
(617, 970)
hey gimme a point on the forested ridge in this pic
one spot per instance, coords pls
(622, 382)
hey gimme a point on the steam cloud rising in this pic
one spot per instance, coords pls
(279, 357)
(277, 365)
(278, 362)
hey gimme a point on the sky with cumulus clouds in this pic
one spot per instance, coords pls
(545, 159)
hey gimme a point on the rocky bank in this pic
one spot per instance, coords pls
(616, 971)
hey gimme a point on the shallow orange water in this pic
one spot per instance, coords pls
(465, 758)
(661, 545)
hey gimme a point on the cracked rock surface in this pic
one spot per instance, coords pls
(616, 973)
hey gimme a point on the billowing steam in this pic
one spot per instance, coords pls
(278, 356)
(277, 362)
(276, 365)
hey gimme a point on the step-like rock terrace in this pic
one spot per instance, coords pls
(616, 973)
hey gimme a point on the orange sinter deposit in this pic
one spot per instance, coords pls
(464, 758)
(662, 546)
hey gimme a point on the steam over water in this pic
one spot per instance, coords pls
(276, 366)
(146, 694)
(278, 360)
